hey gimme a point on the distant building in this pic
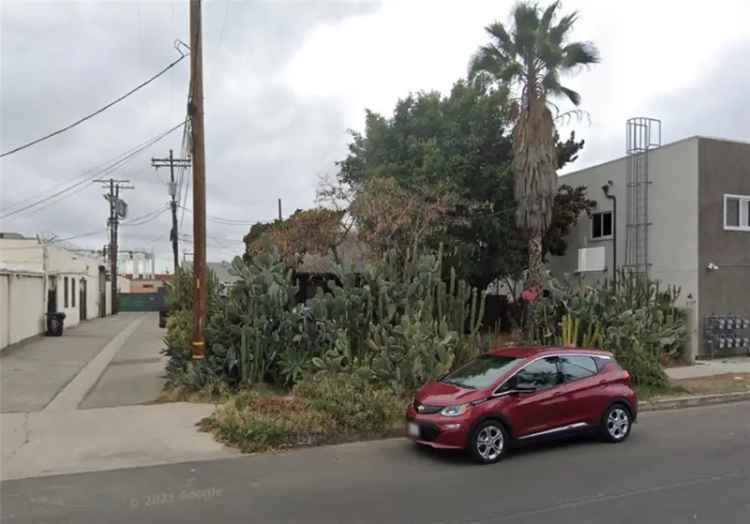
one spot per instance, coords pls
(146, 285)
(223, 272)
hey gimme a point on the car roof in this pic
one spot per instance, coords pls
(538, 351)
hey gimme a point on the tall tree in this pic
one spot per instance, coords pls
(529, 59)
(318, 231)
(457, 142)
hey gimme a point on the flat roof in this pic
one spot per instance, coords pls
(676, 142)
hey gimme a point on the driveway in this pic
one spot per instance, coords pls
(82, 402)
(678, 466)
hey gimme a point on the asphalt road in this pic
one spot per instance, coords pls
(691, 465)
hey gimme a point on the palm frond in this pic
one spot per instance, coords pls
(579, 54)
(551, 81)
(512, 71)
(547, 17)
(573, 96)
(526, 18)
(549, 54)
(504, 40)
(485, 60)
(551, 84)
(558, 33)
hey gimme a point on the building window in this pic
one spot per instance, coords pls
(601, 225)
(737, 212)
(72, 292)
(65, 292)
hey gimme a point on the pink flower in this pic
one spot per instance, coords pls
(529, 295)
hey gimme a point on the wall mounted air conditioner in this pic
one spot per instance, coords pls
(592, 259)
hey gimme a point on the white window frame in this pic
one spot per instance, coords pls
(744, 212)
(602, 237)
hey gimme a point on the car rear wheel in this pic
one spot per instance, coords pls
(616, 423)
(489, 442)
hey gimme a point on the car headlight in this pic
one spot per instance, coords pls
(455, 411)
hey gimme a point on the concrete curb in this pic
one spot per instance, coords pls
(692, 401)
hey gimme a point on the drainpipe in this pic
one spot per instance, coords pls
(606, 189)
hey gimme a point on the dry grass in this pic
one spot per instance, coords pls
(185, 394)
(727, 383)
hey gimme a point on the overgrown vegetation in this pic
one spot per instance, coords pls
(634, 317)
(445, 200)
(325, 408)
(399, 322)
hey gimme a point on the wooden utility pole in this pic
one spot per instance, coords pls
(116, 212)
(200, 291)
(171, 162)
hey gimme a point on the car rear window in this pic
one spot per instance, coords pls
(574, 367)
(482, 372)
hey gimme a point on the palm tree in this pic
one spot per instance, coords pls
(530, 59)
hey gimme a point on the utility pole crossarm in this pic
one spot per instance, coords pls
(171, 162)
(113, 185)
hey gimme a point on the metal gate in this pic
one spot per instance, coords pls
(140, 301)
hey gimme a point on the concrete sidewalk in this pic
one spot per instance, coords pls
(106, 365)
(34, 372)
(709, 368)
(50, 443)
(136, 373)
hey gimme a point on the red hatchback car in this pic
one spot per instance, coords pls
(520, 394)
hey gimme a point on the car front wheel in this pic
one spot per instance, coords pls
(489, 442)
(616, 423)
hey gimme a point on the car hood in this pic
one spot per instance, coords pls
(442, 394)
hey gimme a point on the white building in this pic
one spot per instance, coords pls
(38, 278)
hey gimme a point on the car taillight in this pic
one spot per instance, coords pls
(626, 376)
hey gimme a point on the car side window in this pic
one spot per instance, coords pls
(540, 374)
(577, 367)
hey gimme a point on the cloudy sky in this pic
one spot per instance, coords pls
(284, 80)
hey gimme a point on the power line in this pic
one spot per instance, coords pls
(91, 115)
(186, 151)
(108, 166)
(222, 220)
(80, 235)
(103, 171)
(148, 217)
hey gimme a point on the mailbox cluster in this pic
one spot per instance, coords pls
(724, 334)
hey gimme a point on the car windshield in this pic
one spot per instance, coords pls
(482, 372)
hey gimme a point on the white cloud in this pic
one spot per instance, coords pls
(284, 80)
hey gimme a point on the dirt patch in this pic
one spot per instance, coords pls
(727, 383)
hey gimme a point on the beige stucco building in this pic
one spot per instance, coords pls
(38, 277)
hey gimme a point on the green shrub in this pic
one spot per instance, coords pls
(354, 404)
(325, 408)
(254, 422)
(178, 345)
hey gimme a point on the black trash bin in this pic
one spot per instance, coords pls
(55, 324)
